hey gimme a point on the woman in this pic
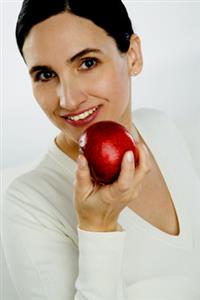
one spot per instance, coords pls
(65, 237)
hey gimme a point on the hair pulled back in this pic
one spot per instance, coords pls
(110, 15)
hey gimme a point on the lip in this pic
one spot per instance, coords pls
(85, 121)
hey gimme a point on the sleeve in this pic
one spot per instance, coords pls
(44, 262)
(100, 266)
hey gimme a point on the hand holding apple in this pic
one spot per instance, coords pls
(98, 206)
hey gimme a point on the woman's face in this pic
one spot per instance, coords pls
(78, 74)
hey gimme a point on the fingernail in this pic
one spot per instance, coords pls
(81, 162)
(129, 156)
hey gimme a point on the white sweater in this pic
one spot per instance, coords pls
(49, 259)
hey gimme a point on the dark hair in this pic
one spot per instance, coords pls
(111, 15)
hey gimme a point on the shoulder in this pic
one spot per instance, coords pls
(163, 131)
(44, 197)
(152, 116)
(43, 180)
(41, 186)
(158, 124)
(26, 183)
(47, 186)
(28, 192)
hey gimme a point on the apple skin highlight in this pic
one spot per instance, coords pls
(104, 145)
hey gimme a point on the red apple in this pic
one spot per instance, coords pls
(104, 144)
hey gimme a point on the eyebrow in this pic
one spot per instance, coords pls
(39, 68)
(82, 53)
(70, 60)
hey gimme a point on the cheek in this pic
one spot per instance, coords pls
(111, 84)
(46, 98)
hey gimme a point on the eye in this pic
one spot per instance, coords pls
(88, 63)
(44, 76)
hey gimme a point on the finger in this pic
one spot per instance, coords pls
(83, 182)
(127, 171)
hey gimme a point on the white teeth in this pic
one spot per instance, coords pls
(83, 115)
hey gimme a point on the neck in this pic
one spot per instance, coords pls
(127, 121)
(70, 148)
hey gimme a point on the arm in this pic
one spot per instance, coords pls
(100, 265)
(43, 261)
(101, 239)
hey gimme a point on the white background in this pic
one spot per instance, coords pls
(170, 81)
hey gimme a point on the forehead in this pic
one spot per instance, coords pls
(65, 32)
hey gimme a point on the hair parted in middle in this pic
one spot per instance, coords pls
(110, 15)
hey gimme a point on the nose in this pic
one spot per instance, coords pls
(70, 94)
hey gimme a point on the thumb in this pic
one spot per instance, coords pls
(83, 182)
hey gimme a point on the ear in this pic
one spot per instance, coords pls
(134, 55)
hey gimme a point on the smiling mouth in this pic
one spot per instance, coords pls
(83, 118)
(83, 115)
